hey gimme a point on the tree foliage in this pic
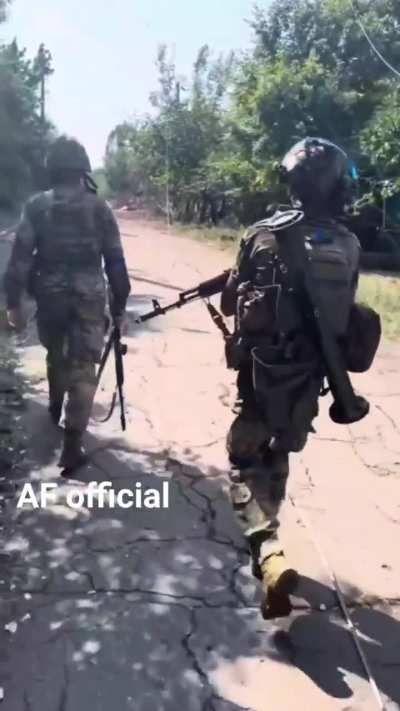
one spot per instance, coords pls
(215, 140)
(3, 9)
(381, 137)
(169, 153)
(24, 134)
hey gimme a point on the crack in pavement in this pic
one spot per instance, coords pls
(209, 514)
(375, 469)
(130, 544)
(231, 579)
(208, 704)
(387, 516)
(27, 702)
(170, 598)
(388, 417)
(63, 703)
(203, 676)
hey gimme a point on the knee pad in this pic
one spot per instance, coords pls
(240, 495)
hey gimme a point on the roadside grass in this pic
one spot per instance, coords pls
(11, 387)
(226, 238)
(382, 292)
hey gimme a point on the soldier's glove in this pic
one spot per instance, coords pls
(16, 319)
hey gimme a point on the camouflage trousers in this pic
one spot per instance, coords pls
(259, 474)
(73, 334)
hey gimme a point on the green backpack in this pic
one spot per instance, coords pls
(287, 371)
(265, 302)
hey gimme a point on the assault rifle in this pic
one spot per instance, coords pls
(347, 407)
(202, 291)
(120, 350)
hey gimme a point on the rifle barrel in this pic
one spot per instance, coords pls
(184, 298)
(202, 291)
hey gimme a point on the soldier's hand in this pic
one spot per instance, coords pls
(121, 323)
(16, 319)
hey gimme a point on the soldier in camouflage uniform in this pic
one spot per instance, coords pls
(319, 175)
(66, 239)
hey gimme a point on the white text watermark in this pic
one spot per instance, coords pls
(98, 495)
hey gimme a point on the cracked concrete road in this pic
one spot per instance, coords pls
(156, 610)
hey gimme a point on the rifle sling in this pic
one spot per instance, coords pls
(217, 318)
(117, 390)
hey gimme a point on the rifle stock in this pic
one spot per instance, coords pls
(120, 350)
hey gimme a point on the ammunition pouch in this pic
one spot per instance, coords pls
(287, 391)
(257, 309)
(362, 338)
(256, 322)
(236, 353)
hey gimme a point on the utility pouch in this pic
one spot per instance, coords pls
(257, 309)
(235, 352)
(286, 390)
(362, 339)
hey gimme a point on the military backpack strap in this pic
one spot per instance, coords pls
(280, 220)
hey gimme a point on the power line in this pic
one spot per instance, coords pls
(371, 43)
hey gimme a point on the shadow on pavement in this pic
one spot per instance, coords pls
(141, 608)
(319, 645)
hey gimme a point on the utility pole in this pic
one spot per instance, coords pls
(167, 181)
(44, 70)
(174, 104)
(42, 67)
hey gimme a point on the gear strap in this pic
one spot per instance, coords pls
(118, 387)
(218, 319)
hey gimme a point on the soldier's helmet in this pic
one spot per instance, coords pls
(318, 171)
(67, 154)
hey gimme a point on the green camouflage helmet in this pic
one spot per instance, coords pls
(68, 154)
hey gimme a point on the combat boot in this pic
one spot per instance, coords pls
(72, 456)
(278, 582)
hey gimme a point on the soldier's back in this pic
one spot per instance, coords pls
(68, 242)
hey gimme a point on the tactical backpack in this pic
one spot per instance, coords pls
(287, 372)
(265, 302)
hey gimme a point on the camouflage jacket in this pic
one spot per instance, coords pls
(65, 238)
